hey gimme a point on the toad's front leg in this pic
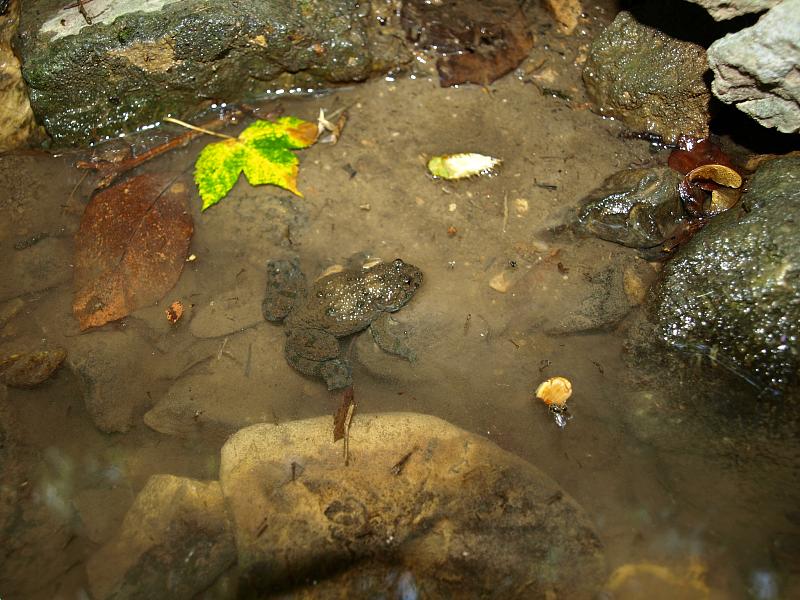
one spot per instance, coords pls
(392, 337)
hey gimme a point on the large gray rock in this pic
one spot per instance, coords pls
(423, 508)
(653, 82)
(141, 60)
(728, 9)
(174, 542)
(733, 292)
(758, 68)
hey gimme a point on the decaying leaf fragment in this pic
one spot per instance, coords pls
(461, 166)
(263, 152)
(554, 393)
(328, 131)
(174, 312)
(343, 419)
(130, 248)
(695, 153)
(721, 181)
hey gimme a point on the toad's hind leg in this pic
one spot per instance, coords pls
(392, 337)
(317, 353)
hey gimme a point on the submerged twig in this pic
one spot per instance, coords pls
(505, 211)
(398, 467)
(110, 171)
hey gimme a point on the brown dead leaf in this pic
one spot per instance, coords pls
(344, 414)
(130, 247)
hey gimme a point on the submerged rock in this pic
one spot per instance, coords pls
(174, 542)
(755, 69)
(653, 82)
(29, 369)
(423, 507)
(733, 291)
(118, 66)
(729, 9)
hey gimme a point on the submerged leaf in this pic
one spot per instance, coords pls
(697, 153)
(460, 166)
(130, 247)
(263, 152)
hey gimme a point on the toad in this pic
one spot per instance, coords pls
(336, 306)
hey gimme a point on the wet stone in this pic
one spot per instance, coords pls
(138, 61)
(423, 505)
(653, 82)
(41, 266)
(17, 124)
(242, 381)
(29, 369)
(175, 540)
(115, 378)
(732, 291)
(599, 305)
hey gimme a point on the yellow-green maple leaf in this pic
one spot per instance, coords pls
(263, 152)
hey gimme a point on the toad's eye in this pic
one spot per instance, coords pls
(407, 280)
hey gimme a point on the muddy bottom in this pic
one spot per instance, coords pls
(702, 484)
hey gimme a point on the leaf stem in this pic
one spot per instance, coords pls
(195, 128)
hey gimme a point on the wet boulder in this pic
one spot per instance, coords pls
(733, 291)
(755, 69)
(729, 9)
(107, 67)
(422, 509)
(638, 208)
(17, 124)
(174, 542)
(652, 82)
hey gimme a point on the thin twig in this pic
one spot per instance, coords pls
(505, 211)
(196, 128)
(84, 14)
(110, 171)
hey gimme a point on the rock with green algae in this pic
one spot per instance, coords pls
(132, 63)
(733, 290)
(652, 82)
